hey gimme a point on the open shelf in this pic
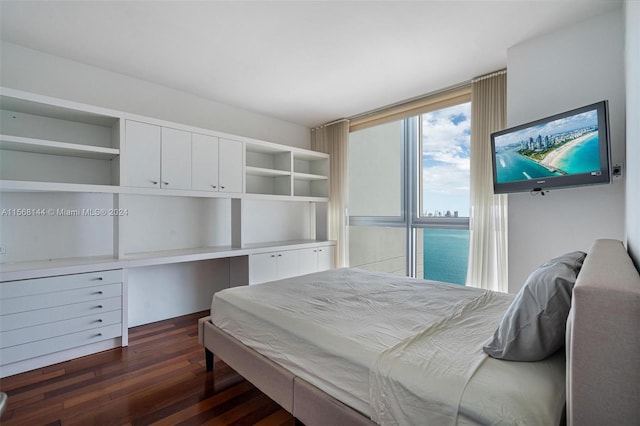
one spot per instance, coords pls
(267, 157)
(313, 164)
(51, 140)
(259, 171)
(29, 186)
(310, 186)
(42, 146)
(309, 177)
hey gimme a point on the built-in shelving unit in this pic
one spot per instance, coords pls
(73, 158)
(310, 175)
(76, 200)
(273, 171)
(267, 170)
(50, 140)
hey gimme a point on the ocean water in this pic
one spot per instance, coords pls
(446, 252)
(582, 158)
(513, 166)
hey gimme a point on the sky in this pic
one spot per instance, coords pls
(574, 122)
(445, 159)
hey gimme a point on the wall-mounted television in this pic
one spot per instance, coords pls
(563, 150)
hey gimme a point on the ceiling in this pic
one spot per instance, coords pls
(306, 62)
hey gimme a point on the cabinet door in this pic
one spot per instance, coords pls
(204, 163)
(143, 154)
(231, 169)
(262, 268)
(308, 260)
(176, 159)
(288, 263)
(325, 258)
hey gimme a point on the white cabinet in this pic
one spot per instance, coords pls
(88, 189)
(143, 142)
(231, 166)
(50, 315)
(176, 159)
(158, 157)
(281, 264)
(216, 164)
(272, 266)
(204, 163)
(316, 259)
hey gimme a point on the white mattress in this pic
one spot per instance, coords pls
(332, 327)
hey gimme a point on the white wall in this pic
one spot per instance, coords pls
(632, 55)
(576, 66)
(152, 290)
(33, 71)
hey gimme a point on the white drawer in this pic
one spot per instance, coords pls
(59, 328)
(59, 298)
(20, 288)
(55, 344)
(58, 313)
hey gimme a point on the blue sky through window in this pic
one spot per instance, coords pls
(445, 160)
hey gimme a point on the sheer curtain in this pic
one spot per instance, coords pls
(488, 223)
(332, 139)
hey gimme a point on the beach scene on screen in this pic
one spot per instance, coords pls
(565, 146)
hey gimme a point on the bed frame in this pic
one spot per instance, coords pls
(603, 352)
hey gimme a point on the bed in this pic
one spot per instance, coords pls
(411, 352)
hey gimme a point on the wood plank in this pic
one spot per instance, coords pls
(159, 379)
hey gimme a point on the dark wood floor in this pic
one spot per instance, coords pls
(159, 379)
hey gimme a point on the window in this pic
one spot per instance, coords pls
(377, 235)
(409, 193)
(444, 192)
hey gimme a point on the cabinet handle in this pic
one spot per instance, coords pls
(98, 335)
(99, 320)
(213, 186)
(165, 183)
(99, 307)
(279, 255)
(222, 187)
(273, 255)
(320, 250)
(155, 182)
(98, 292)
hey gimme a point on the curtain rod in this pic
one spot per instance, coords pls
(340, 120)
(491, 74)
(406, 101)
(434, 93)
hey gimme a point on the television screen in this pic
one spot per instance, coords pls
(564, 150)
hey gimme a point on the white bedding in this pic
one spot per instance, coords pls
(343, 329)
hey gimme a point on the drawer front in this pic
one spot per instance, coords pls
(59, 313)
(55, 344)
(20, 288)
(60, 298)
(59, 328)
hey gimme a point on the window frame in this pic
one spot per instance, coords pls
(410, 192)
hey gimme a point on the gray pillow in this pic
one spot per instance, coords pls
(534, 325)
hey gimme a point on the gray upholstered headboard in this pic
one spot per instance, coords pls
(603, 340)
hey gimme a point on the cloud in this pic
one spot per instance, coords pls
(574, 122)
(445, 159)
